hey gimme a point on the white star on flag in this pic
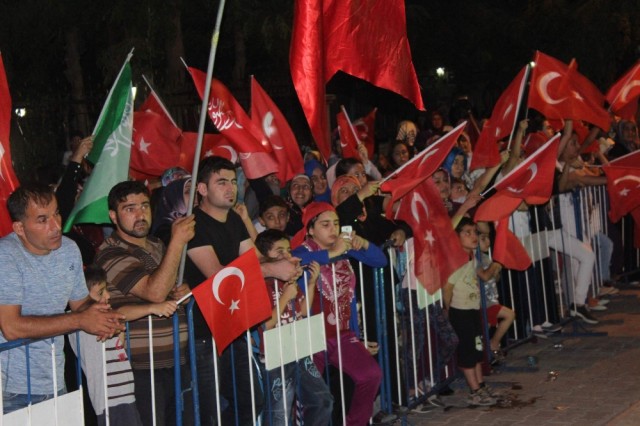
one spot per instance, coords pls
(209, 153)
(625, 192)
(429, 237)
(234, 306)
(144, 146)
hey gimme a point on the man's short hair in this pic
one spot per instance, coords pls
(94, 274)
(272, 201)
(266, 239)
(18, 201)
(122, 190)
(211, 165)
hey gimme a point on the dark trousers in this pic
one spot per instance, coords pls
(234, 384)
(165, 396)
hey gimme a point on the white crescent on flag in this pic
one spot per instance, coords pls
(534, 171)
(627, 89)
(627, 177)
(543, 84)
(220, 277)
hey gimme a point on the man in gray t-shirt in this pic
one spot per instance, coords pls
(41, 273)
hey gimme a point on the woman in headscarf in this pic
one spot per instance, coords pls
(317, 172)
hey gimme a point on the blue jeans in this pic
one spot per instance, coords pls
(234, 366)
(15, 401)
(303, 379)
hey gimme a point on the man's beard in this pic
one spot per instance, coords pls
(137, 233)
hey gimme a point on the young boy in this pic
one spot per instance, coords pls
(289, 305)
(120, 389)
(274, 214)
(462, 299)
(498, 316)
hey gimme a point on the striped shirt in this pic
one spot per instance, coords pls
(125, 265)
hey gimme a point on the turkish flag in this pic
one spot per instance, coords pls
(348, 141)
(530, 181)
(286, 151)
(623, 95)
(623, 185)
(559, 91)
(156, 144)
(438, 252)
(234, 300)
(508, 250)
(365, 39)
(365, 129)
(8, 179)
(629, 160)
(500, 125)
(419, 167)
(229, 117)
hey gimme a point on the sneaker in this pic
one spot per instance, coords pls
(583, 313)
(603, 302)
(424, 408)
(435, 401)
(594, 305)
(489, 391)
(551, 328)
(480, 399)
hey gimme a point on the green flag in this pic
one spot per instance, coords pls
(110, 154)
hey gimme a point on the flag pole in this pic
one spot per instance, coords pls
(523, 84)
(353, 131)
(157, 96)
(203, 117)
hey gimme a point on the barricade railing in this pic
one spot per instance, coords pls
(414, 344)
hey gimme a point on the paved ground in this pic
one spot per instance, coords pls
(579, 380)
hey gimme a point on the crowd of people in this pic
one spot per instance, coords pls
(319, 237)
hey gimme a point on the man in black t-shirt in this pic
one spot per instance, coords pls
(221, 237)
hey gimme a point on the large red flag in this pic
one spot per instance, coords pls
(508, 250)
(212, 144)
(530, 181)
(438, 252)
(8, 179)
(229, 117)
(623, 185)
(500, 125)
(419, 167)
(365, 39)
(623, 95)
(348, 141)
(559, 91)
(286, 151)
(234, 300)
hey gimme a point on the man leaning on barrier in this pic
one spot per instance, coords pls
(140, 270)
(41, 273)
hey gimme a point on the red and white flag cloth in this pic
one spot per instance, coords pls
(365, 129)
(367, 40)
(419, 167)
(234, 300)
(559, 91)
(530, 181)
(629, 160)
(500, 125)
(8, 180)
(348, 141)
(229, 117)
(623, 185)
(286, 151)
(508, 250)
(438, 252)
(624, 93)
